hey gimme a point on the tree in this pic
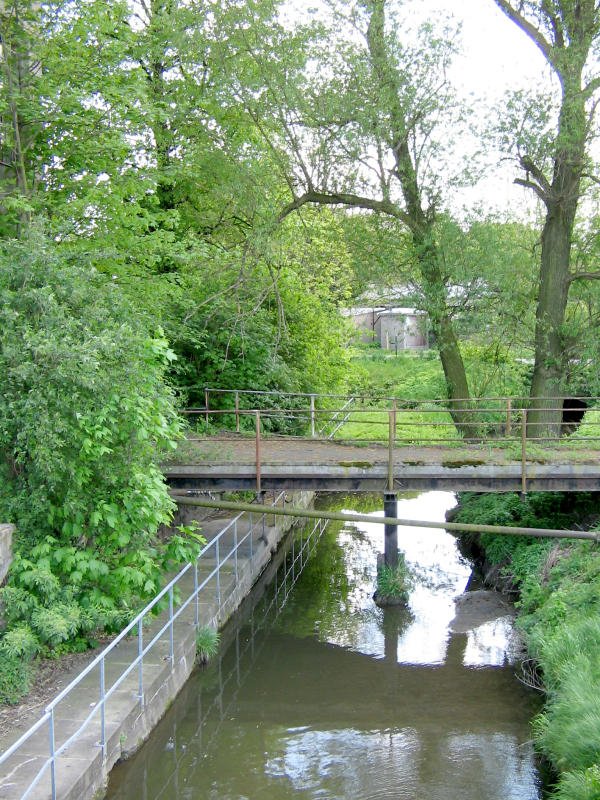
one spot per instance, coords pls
(86, 417)
(567, 34)
(364, 130)
(19, 70)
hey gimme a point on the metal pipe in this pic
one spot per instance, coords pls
(524, 453)
(460, 527)
(257, 449)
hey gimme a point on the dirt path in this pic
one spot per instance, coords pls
(231, 448)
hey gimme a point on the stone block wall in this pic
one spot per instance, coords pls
(6, 537)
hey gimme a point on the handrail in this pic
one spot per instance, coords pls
(143, 649)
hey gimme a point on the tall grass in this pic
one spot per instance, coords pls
(560, 615)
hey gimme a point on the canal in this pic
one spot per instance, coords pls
(319, 694)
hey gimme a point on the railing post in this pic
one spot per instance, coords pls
(237, 411)
(206, 406)
(524, 452)
(508, 416)
(312, 416)
(391, 437)
(235, 551)
(258, 475)
(171, 638)
(102, 709)
(52, 754)
(140, 662)
(197, 599)
(218, 560)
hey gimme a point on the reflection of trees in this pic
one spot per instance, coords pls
(321, 591)
(359, 502)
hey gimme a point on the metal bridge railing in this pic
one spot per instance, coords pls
(516, 426)
(178, 598)
(362, 418)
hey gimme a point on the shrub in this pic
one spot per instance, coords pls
(84, 417)
(207, 643)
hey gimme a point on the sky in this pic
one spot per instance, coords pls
(496, 56)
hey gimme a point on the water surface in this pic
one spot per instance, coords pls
(326, 697)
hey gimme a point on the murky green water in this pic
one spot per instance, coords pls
(327, 697)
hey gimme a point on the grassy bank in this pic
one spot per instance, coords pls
(559, 613)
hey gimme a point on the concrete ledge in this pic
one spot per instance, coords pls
(374, 477)
(6, 537)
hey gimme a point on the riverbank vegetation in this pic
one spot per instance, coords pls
(393, 583)
(191, 194)
(558, 585)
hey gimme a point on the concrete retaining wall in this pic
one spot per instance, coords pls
(6, 537)
(82, 771)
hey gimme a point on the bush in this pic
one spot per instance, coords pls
(84, 417)
(393, 583)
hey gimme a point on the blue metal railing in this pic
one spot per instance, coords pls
(216, 545)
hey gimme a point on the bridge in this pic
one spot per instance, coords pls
(267, 441)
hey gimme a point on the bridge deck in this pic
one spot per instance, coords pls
(229, 462)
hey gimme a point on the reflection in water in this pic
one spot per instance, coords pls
(335, 699)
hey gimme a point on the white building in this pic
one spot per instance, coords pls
(392, 328)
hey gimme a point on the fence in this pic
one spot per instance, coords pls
(416, 421)
(215, 574)
(247, 650)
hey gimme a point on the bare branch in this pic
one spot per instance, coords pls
(527, 27)
(591, 87)
(584, 276)
(345, 199)
(536, 188)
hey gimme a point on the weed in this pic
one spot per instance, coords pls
(15, 677)
(207, 643)
(393, 583)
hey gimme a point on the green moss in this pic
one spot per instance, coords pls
(465, 462)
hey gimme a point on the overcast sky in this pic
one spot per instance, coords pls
(496, 56)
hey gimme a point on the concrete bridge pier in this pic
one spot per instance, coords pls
(390, 550)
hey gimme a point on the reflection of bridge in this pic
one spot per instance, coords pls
(356, 444)
(270, 690)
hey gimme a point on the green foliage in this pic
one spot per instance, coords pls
(85, 415)
(559, 583)
(15, 677)
(582, 785)
(207, 643)
(394, 582)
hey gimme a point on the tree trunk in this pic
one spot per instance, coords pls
(434, 292)
(548, 382)
(421, 224)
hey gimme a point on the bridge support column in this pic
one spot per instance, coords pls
(390, 550)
